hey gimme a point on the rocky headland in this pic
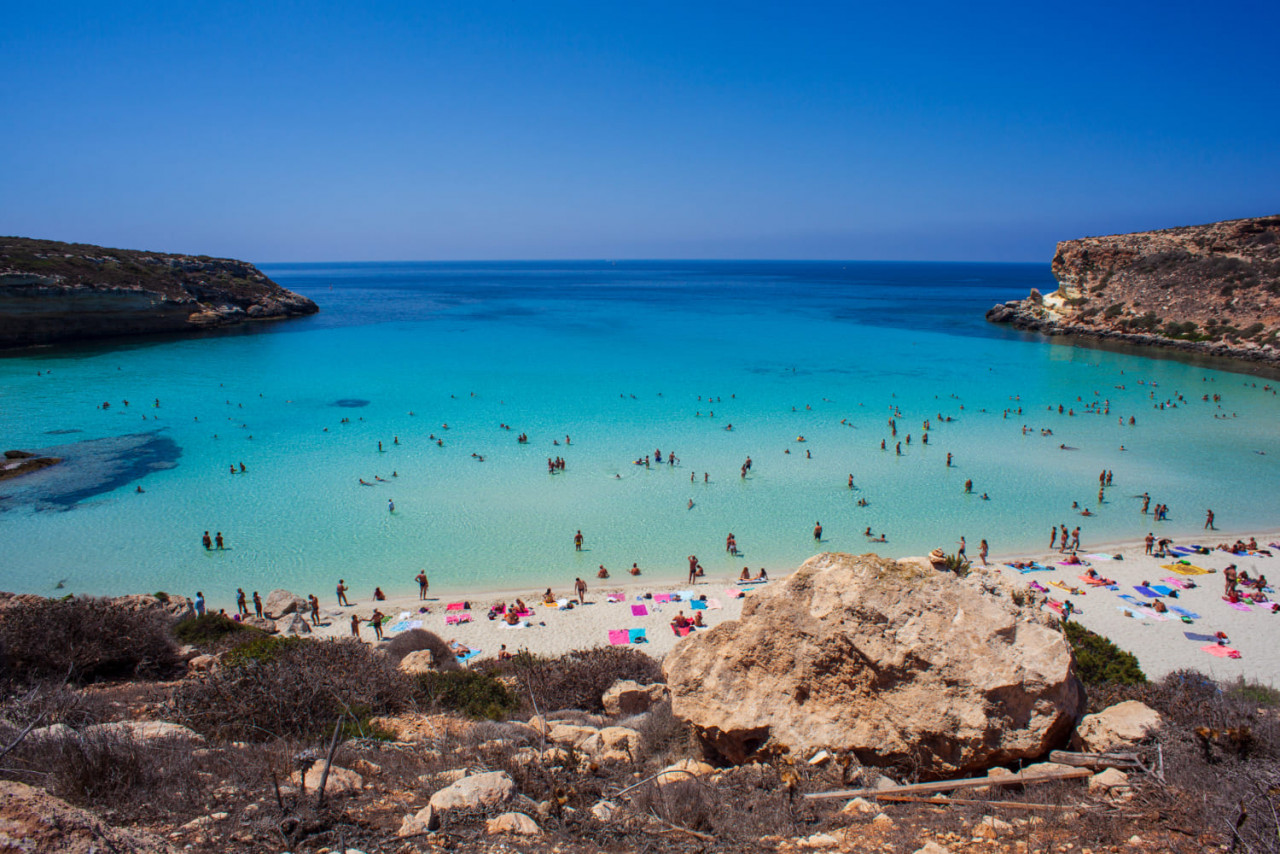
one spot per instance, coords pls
(59, 292)
(1208, 289)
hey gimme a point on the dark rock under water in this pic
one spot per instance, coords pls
(88, 469)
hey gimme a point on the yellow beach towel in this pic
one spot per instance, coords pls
(1184, 569)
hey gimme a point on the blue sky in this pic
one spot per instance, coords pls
(314, 131)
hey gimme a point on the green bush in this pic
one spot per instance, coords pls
(476, 695)
(260, 650)
(1101, 662)
(205, 630)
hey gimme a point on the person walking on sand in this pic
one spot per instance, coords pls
(1150, 541)
(577, 541)
(241, 602)
(982, 552)
(315, 609)
(961, 553)
(342, 592)
(423, 584)
(376, 619)
(257, 604)
(1075, 539)
(355, 626)
(1208, 521)
(580, 587)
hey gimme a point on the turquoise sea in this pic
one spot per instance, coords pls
(624, 359)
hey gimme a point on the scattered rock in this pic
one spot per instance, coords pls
(626, 697)
(860, 806)
(1122, 725)
(571, 734)
(685, 769)
(148, 731)
(1112, 784)
(889, 659)
(366, 768)
(260, 623)
(883, 822)
(478, 790)
(513, 822)
(932, 847)
(422, 821)
(340, 779)
(621, 738)
(202, 663)
(989, 827)
(819, 840)
(34, 822)
(820, 758)
(604, 811)
(418, 661)
(281, 602)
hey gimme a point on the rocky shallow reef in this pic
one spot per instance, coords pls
(1209, 289)
(57, 292)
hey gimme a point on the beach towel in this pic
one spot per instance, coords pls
(639, 611)
(1146, 591)
(456, 606)
(685, 595)
(638, 636)
(1180, 583)
(1035, 567)
(1200, 636)
(681, 631)
(615, 597)
(1183, 612)
(1100, 557)
(1083, 563)
(469, 655)
(1054, 604)
(1184, 569)
(698, 606)
(562, 604)
(1220, 651)
(733, 593)
(753, 581)
(1130, 598)
(457, 619)
(1183, 550)
(714, 605)
(523, 624)
(1097, 582)
(525, 613)
(619, 637)
(1038, 587)
(1130, 612)
(1164, 590)
(662, 597)
(1239, 606)
(1068, 588)
(406, 625)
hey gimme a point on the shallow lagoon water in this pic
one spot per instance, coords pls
(624, 359)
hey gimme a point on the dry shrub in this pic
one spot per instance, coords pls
(575, 680)
(84, 639)
(299, 690)
(416, 640)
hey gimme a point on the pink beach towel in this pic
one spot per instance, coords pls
(619, 637)
(1220, 651)
(455, 619)
(681, 631)
(714, 605)
(525, 613)
(662, 597)
(456, 606)
(1180, 583)
(615, 597)
(733, 593)
(1240, 606)
(639, 611)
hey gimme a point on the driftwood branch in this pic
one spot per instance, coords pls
(21, 736)
(1019, 779)
(328, 761)
(1016, 805)
(1096, 760)
(705, 837)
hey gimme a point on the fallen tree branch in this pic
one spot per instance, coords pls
(1019, 779)
(705, 837)
(1017, 805)
(1096, 760)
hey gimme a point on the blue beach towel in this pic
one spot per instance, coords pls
(638, 636)
(1164, 590)
(1125, 597)
(469, 655)
(1035, 567)
(1196, 636)
(1183, 612)
(1146, 591)
(1132, 613)
(698, 606)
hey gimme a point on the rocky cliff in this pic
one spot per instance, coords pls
(1213, 289)
(51, 291)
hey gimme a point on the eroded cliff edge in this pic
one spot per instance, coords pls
(1212, 289)
(57, 292)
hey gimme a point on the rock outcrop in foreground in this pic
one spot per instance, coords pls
(892, 661)
(1212, 289)
(51, 291)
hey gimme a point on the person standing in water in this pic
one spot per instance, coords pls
(982, 552)
(207, 541)
(423, 584)
(577, 541)
(817, 531)
(218, 540)
(391, 506)
(241, 602)
(693, 569)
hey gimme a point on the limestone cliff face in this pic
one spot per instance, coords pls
(51, 291)
(1210, 288)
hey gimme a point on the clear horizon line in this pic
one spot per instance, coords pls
(600, 260)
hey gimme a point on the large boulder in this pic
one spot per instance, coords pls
(626, 697)
(418, 661)
(34, 822)
(478, 790)
(148, 731)
(890, 660)
(1122, 725)
(281, 602)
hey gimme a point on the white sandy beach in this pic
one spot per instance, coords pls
(1162, 643)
